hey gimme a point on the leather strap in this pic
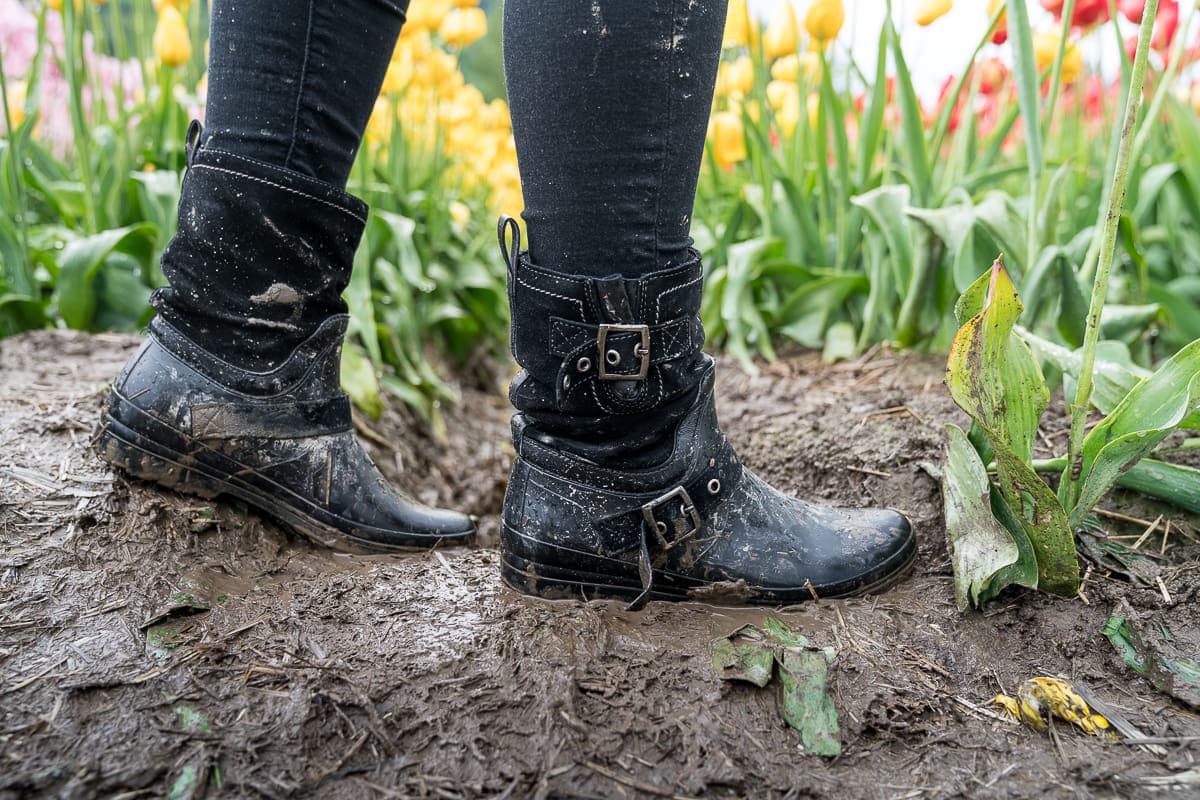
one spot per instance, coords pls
(295, 420)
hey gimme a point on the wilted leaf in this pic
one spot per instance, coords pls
(980, 547)
(994, 378)
(1178, 677)
(807, 706)
(743, 656)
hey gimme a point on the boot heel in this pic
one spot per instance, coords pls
(124, 449)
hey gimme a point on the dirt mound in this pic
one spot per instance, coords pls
(153, 644)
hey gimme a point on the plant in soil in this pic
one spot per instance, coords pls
(1014, 528)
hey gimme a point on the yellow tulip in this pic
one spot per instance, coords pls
(182, 5)
(789, 68)
(171, 42)
(781, 35)
(465, 3)
(737, 24)
(16, 103)
(788, 115)
(930, 10)
(780, 93)
(824, 19)
(814, 109)
(1045, 49)
(728, 142)
(379, 124)
(735, 78)
(426, 15)
(460, 214)
(463, 26)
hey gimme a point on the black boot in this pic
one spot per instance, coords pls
(207, 406)
(624, 485)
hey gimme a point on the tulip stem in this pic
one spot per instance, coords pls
(1068, 12)
(72, 65)
(1069, 488)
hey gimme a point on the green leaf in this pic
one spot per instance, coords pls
(82, 259)
(993, 376)
(912, 123)
(980, 547)
(1144, 417)
(955, 226)
(1028, 79)
(885, 207)
(360, 382)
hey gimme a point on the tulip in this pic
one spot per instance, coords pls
(824, 19)
(992, 74)
(782, 34)
(930, 10)
(1165, 24)
(780, 93)
(171, 42)
(1132, 10)
(1045, 49)
(728, 142)
(463, 26)
(735, 78)
(182, 5)
(1000, 35)
(737, 24)
(16, 103)
(426, 14)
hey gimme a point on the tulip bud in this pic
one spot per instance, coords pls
(728, 142)
(171, 42)
(824, 19)
(463, 26)
(930, 10)
(782, 34)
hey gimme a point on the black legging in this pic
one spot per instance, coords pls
(609, 100)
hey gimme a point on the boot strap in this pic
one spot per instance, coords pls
(623, 351)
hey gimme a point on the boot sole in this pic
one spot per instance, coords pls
(145, 459)
(566, 583)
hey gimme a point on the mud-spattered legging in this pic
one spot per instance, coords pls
(609, 102)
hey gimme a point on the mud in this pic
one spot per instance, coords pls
(153, 644)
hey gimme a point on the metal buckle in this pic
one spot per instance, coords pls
(686, 508)
(642, 351)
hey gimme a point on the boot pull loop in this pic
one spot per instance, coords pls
(191, 141)
(509, 251)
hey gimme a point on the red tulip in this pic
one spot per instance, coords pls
(1165, 24)
(1132, 9)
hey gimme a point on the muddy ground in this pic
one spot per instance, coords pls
(316, 675)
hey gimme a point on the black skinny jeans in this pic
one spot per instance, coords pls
(609, 100)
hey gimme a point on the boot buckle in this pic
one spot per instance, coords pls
(641, 350)
(686, 508)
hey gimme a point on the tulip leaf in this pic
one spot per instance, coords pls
(81, 261)
(981, 547)
(1148, 414)
(885, 206)
(1114, 376)
(993, 376)
(360, 382)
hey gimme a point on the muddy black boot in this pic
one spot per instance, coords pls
(624, 485)
(236, 389)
